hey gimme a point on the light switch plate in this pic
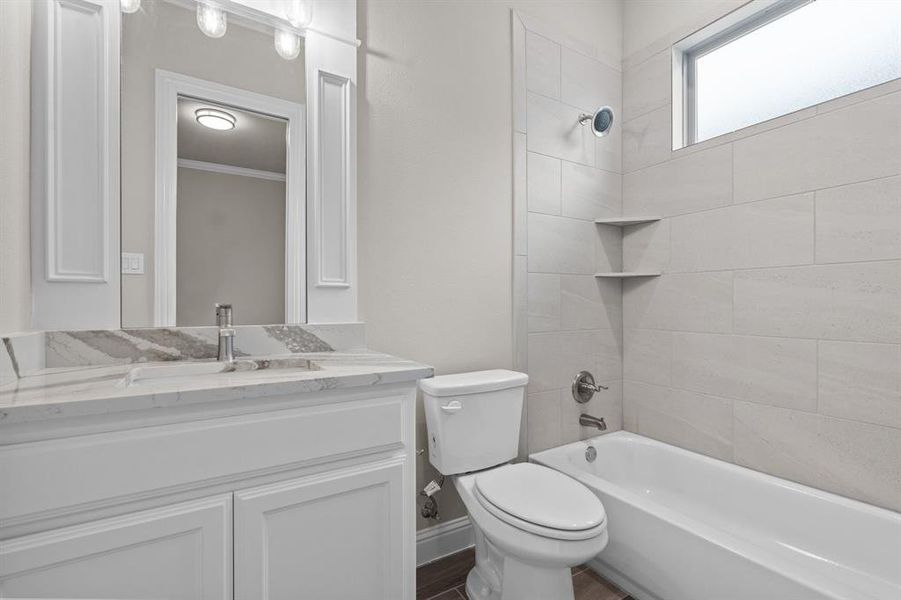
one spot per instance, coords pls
(132, 263)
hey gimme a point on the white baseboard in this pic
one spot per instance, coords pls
(443, 539)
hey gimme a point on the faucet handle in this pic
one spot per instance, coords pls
(584, 387)
(223, 314)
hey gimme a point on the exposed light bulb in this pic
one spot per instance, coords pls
(211, 20)
(287, 44)
(300, 13)
(130, 6)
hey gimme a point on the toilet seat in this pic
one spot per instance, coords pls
(540, 500)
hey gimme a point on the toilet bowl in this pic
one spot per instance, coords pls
(531, 523)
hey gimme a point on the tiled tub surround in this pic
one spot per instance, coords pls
(773, 337)
(566, 319)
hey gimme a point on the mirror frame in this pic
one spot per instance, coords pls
(76, 217)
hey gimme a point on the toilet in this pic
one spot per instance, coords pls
(531, 523)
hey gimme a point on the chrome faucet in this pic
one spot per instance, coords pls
(226, 333)
(589, 421)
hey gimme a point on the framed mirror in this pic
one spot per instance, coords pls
(142, 215)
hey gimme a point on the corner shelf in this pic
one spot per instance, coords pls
(625, 274)
(626, 221)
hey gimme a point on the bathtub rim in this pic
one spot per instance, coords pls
(558, 458)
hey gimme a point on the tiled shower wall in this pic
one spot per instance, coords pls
(773, 338)
(566, 319)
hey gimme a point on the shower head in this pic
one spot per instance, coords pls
(601, 122)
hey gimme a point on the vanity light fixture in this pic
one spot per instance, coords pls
(212, 20)
(299, 13)
(287, 44)
(130, 6)
(215, 119)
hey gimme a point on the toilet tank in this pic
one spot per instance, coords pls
(473, 419)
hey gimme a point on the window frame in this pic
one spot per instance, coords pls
(687, 51)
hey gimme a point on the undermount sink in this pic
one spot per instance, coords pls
(181, 371)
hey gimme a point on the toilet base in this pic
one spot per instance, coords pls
(499, 576)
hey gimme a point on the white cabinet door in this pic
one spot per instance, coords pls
(179, 552)
(336, 536)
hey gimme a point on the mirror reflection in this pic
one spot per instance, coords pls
(230, 220)
(212, 171)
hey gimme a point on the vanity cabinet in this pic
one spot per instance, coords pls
(306, 495)
(178, 552)
(331, 536)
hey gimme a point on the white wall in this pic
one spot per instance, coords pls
(773, 338)
(648, 21)
(435, 176)
(15, 81)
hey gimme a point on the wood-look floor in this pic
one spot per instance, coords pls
(445, 579)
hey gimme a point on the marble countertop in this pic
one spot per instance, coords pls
(103, 389)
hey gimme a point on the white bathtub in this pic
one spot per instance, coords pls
(688, 527)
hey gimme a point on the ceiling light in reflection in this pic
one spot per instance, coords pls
(213, 118)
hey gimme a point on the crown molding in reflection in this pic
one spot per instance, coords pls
(199, 165)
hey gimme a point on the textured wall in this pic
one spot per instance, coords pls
(15, 79)
(773, 339)
(435, 177)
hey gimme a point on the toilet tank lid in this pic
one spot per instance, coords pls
(475, 382)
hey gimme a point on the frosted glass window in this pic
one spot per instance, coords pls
(806, 55)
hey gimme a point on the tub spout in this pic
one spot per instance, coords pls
(589, 421)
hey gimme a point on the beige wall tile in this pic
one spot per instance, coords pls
(853, 459)
(679, 302)
(647, 139)
(853, 144)
(543, 420)
(587, 302)
(556, 357)
(589, 84)
(561, 245)
(695, 182)
(520, 194)
(542, 65)
(590, 193)
(553, 130)
(861, 382)
(544, 302)
(859, 222)
(647, 247)
(647, 86)
(686, 419)
(775, 371)
(759, 234)
(544, 184)
(846, 302)
(648, 356)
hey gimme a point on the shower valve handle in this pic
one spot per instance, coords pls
(584, 387)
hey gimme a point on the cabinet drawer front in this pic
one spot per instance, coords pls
(52, 477)
(339, 536)
(180, 552)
